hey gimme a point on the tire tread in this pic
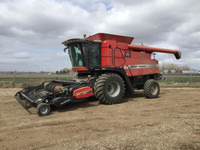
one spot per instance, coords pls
(99, 88)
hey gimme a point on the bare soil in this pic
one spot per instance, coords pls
(169, 122)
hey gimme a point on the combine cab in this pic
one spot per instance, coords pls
(112, 67)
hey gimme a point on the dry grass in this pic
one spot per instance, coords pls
(15, 85)
(178, 84)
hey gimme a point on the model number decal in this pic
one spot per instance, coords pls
(141, 66)
(83, 93)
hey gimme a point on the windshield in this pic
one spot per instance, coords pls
(75, 55)
(84, 54)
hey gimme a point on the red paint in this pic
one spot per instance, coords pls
(105, 36)
(141, 72)
(114, 48)
(83, 92)
(151, 49)
(113, 54)
(79, 68)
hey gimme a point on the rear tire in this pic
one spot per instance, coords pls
(151, 88)
(43, 109)
(109, 88)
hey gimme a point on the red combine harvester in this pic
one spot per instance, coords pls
(112, 67)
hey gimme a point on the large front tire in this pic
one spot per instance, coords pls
(109, 88)
(151, 88)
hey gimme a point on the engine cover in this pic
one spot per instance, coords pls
(83, 92)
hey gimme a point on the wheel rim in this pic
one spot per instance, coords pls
(43, 109)
(113, 89)
(154, 89)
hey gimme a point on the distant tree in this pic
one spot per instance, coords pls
(65, 71)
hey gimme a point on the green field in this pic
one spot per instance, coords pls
(21, 80)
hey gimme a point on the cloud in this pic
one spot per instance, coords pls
(22, 55)
(167, 24)
(33, 30)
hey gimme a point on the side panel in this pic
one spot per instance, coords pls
(135, 63)
(112, 53)
(140, 63)
(83, 92)
(106, 54)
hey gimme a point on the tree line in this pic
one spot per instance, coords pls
(171, 66)
(64, 71)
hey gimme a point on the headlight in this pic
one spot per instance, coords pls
(38, 100)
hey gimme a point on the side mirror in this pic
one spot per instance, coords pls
(65, 49)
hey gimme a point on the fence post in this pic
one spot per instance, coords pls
(166, 82)
(14, 78)
(190, 80)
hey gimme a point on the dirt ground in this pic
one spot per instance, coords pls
(171, 121)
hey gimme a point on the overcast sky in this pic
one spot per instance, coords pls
(31, 31)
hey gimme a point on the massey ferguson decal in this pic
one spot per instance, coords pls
(127, 54)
